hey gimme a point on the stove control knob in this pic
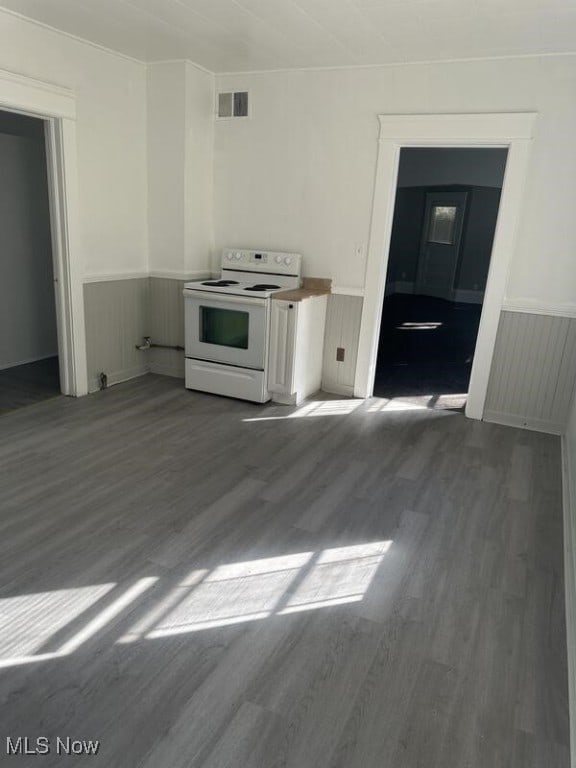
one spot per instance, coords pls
(230, 257)
(278, 259)
(238, 256)
(288, 260)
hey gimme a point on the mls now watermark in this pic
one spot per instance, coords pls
(22, 745)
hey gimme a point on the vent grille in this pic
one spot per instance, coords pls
(233, 104)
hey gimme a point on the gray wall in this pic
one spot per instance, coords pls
(167, 325)
(477, 236)
(533, 371)
(343, 318)
(116, 316)
(119, 314)
(406, 232)
(27, 304)
(422, 167)
(531, 381)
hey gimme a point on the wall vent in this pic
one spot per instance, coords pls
(232, 104)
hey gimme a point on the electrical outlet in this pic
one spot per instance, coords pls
(340, 354)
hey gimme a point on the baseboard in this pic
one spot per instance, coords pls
(335, 388)
(524, 422)
(177, 372)
(117, 377)
(27, 361)
(569, 506)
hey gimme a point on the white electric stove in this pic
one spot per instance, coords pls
(227, 322)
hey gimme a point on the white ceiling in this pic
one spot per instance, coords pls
(241, 35)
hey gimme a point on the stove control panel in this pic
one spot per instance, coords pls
(271, 262)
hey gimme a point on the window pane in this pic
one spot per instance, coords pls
(226, 327)
(224, 105)
(442, 224)
(241, 104)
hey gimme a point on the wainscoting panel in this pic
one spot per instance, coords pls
(342, 330)
(167, 325)
(533, 371)
(116, 313)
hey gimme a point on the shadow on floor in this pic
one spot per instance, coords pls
(28, 384)
(426, 350)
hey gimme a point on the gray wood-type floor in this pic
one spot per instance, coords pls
(31, 383)
(201, 582)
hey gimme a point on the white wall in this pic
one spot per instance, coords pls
(111, 137)
(199, 189)
(299, 175)
(27, 312)
(180, 150)
(166, 167)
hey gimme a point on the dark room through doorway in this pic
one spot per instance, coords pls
(29, 362)
(445, 216)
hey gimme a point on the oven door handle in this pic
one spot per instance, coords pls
(190, 293)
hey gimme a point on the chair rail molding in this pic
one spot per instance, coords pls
(536, 307)
(513, 131)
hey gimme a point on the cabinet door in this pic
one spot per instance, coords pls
(282, 342)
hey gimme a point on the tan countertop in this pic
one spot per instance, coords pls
(311, 286)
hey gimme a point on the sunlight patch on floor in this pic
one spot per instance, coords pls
(48, 626)
(249, 591)
(418, 403)
(29, 623)
(316, 408)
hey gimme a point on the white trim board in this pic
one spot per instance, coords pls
(523, 422)
(569, 510)
(334, 388)
(57, 106)
(84, 40)
(25, 94)
(139, 275)
(199, 274)
(535, 307)
(119, 376)
(513, 131)
(112, 278)
(342, 290)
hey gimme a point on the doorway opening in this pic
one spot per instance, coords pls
(445, 213)
(29, 359)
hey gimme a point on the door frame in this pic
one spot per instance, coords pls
(510, 130)
(57, 107)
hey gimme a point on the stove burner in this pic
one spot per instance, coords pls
(221, 283)
(261, 287)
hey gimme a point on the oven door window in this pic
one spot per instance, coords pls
(224, 327)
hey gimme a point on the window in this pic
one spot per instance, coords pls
(442, 225)
(233, 104)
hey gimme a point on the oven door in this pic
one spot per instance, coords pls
(225, 329)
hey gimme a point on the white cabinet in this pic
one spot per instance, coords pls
(296, 347)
